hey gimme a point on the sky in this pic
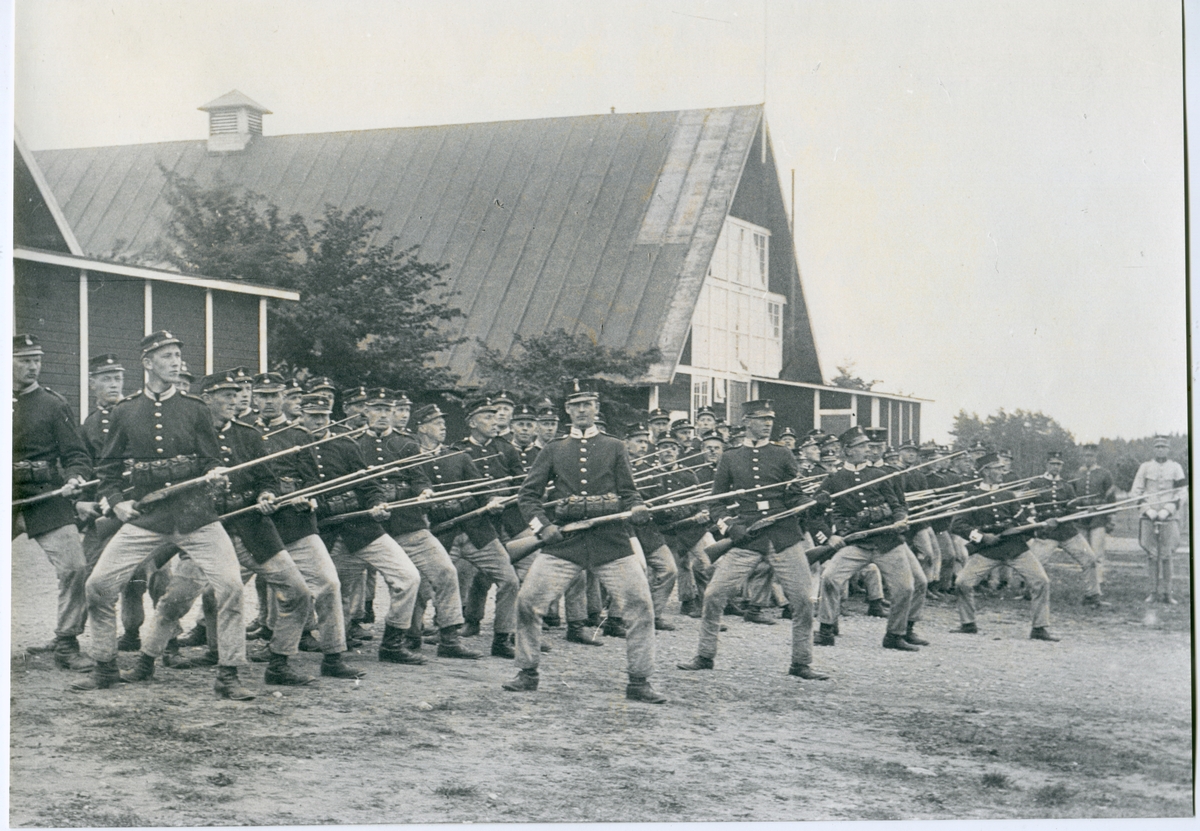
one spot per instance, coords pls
(989, 195)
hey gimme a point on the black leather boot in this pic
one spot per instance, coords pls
(334, 665)
(875, 609)
(68, 656)
(893, 641)
(392, 650)
(280, 674)
(526, 681)
(614, 627)
(228, 686)
(143, 670)
(104, 675)
(502, 646)
(451, 646)
(577, 632)
(697, 663)
(806, 672)
(824, 636)
(639, 689)
(913, 638)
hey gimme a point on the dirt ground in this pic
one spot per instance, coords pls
(991, 726)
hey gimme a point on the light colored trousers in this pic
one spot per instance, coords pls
(312, 558)
(386, 556)
(624, 579)
(439, 578)
(64, 550)
(1027, 565)
(1079, 550)
(894, 565)
(925, 541)
(661, 572)
(492, 560)
(732, 571)
(209, 548)
(1163, 540)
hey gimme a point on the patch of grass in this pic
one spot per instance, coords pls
(456, 790)
(391, 731)
(1050, 796)
(996, 779)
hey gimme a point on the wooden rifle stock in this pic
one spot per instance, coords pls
(42, 497)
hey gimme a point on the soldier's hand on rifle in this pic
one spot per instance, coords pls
(495, 505)
(309, 504)
(738, 533)
(74, 485)
(425, 494)
(639, 515)
(217, 476)
(1051, 524)
(379, 513)
(266, 502)
(125, 511)
(701, 516)
(550, 534)
(836, 542)
(87, 510)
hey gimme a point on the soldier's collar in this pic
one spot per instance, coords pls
(477, 442)
(762, 443)
(1052, 477)
(28, 389)
(154, 396)
(384, 434)
(590, 432)
(856, 468)
(984, 486)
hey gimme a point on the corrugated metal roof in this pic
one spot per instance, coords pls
(599, 224)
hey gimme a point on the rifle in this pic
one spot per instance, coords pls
(171, 490)
(444, 496)
(1110, 508)
(345, 480)
(292, 424)
(42, 497)
(721, 546)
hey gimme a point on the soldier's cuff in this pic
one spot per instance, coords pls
(538, 523)
(975, 536)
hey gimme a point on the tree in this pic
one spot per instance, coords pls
(539, 366)
(851, 382)
(1030, 436)
(369, 312)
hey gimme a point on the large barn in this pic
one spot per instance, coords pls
(663, 229)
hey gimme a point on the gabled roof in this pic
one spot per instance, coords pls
(233, 99)
(600, 224)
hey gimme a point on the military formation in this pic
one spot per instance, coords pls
(188, 488)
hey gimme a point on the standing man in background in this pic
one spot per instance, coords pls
(1163, 480)
(1095, 487)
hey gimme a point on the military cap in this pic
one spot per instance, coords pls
(721, 422)
(668, 440)
(315, 402)
(659, 414)
(292, 387)
(987, 460)
(788, 431)
(1162, 441)
(713, 437)
(427, 413)
(1052, 456)
(548, 415)
(1005, 454)
(27, 346)
(184, 372)
(524, 412)
(269, 382)
(480, 405)
(737, 431)
(979, 446)
(354, 395)
(909, 445)
(322, 383)
(219, 381)
(108, 362)
(581, 390)
(852, 437)
(891, 453)
(759, 408)
(706, 411)
(876, 435)
(242, 375)
(638, 429)
(400, 398)
(379, 396)
(829, 450)
(157, 340)
(930, 451)
(504, 397)
(681, 424)
(809, 441)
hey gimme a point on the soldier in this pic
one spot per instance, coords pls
(169, 438)
(591, 474)
(48, 454)
(245, 397)
(706, 422)
(924, 540)
(660, 546)
(268, 389)
(359, 543)
(322, 385)
(381, 444)
(684, 433)
(186, 378)
(547, 420)
(473, 541)
(1095, 487)
(780, 545)
(505, 406)
(992, 544)
(1058, 499)
(291, 400)
(1162, 481)
(831, 459)
(874, 507)
(401, 411)
(788, 438)
(659, 423)
(259, 548)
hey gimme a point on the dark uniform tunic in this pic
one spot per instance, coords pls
(749, 467)
(446, 468)
(175, 428)
(1095, 486)
(583, 464)
(1058, 500)
(384, 448)
(871, 507)
(44, 432)
(497, 458)
(242, 443)
(990, 518)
